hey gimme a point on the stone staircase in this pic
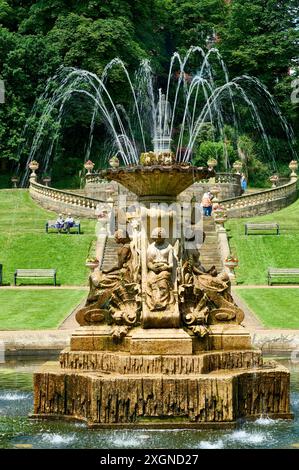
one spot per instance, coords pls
(110, 254)
(209, 253)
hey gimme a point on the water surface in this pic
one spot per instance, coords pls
(17, 431)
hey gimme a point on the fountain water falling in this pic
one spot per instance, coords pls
(154, 120)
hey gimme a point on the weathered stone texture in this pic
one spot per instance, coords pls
(211, 398)
(117, 363)
(263, 393)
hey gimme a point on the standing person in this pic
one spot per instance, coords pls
(211, 196)
(59, 223)
(206, 203)
(243, 182)
(68, 223)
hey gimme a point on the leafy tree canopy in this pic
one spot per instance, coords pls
(255, 37)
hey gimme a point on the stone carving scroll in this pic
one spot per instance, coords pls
(114, 293)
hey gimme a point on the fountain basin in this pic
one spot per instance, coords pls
(191, 399)
(166, 387)
(156, 180)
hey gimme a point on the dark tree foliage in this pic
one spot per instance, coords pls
(255, 37)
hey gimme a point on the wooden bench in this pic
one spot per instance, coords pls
(281, 273)
(51, 224)
(262, 226)
(35, 273)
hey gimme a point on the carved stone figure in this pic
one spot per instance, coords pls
(205, 296)
(218, 291)
(160, 262)
(103, 298)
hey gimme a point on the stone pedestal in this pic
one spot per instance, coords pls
(160, 341)
(226, 338)
(161, 378)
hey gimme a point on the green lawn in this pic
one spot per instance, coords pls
(37, 309)
(24, 243)
(276, 308)
(257, 252)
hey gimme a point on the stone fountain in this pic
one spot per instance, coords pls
(161, 341)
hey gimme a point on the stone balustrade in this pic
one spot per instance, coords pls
(247, 205)
(95, 178)
(63, 201)
(232, 178)
(229, 185)
(263, 202)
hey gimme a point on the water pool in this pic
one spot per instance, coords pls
(17, 431)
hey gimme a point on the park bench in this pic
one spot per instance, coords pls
(35, 273)
(51, 224)
(262, 226)
(281, 273)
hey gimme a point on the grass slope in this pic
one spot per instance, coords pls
(36, 309)
(24, 243)
(257, 252)
(276, 308)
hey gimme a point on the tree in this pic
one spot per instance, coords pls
(194, 21)
(220, 151)
(37, 38)
(260, 38)
(26, 64)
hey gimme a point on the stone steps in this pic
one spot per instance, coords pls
(110, 254)
(209, 252)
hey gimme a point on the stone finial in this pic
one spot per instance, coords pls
(15, 180)
(212, 163)
(89, 166)
(33, 166)
(274, 180)
(237, 166)
(293, 166)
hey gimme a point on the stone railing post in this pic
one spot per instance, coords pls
(225, 251)
(293, 166)
(33, 166)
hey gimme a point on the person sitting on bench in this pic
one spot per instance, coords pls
(68, 223)
(60, 223)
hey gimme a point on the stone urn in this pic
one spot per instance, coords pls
(237, 166)
(33, 166)
(15, 180)
(220, 215)
(231, 263)
(114, 162)
(274, 180)
(47, 180)
(293, 166)
(102, 223)
(215, 190)
(89, 166)
(92, 263)
(212, 163)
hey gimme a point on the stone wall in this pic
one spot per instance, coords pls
(63, 201)
(262, 208)
(264, 202)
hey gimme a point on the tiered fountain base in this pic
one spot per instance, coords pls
(161, 378)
